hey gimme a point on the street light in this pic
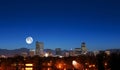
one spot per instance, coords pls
(46, 54)
(76, 64)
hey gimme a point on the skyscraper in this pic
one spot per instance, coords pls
(39, 48)
(83, 48)
(77, 51)
(58, 51)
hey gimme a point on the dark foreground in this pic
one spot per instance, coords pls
(101, 61)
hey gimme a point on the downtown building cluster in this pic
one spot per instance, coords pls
(74, 59)
(58, 52)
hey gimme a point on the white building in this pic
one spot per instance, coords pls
(83, 48)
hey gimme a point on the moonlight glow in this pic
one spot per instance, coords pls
(29, 40)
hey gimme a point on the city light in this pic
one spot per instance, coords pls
(28, 64)
(76, 64)
(46, 55)
(60, 65)
(93, 65)
(28, 68)
(90, 66)
(105, 64)
(86, 63)
(60, 56)
(49, 64)
(49, 69)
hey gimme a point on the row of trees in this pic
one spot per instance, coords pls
(99, 62)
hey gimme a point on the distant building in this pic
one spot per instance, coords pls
(49, 51)
(114, 50)
(83, 48)
(77, 51)
(2, 56)
(58, 51)
(91, 53)
(24, 54)
(32, 53)
(39, 48)
(107, 52)
(66, 54)
(71, 52)
(96, 52)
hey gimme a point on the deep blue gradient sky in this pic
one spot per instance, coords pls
(60, 23)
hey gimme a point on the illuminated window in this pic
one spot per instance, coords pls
(28, 64)
(28, 68)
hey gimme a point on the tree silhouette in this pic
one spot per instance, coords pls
(100, 59)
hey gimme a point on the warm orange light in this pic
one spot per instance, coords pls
(86, 63)
(90, 66)
(49, 69)
(22, 69)
(14, 64)
(74, 62)
(105, 63)
(28, 64)
(28, 68)
(49, 64)
(60, 66)
(46, 54)
(93, 65)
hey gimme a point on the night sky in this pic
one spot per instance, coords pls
(60, 23)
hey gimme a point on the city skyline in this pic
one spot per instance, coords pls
(60, 24)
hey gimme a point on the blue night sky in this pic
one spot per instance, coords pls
(60, 23)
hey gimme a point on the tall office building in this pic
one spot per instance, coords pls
(77, 51)
(39, 48)
(58, 51)
(83, 48)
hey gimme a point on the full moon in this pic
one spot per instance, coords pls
(29, 40)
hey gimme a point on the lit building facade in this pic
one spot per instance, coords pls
(77, 51)
(58, 51)
(39, 48)
(83, 48)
